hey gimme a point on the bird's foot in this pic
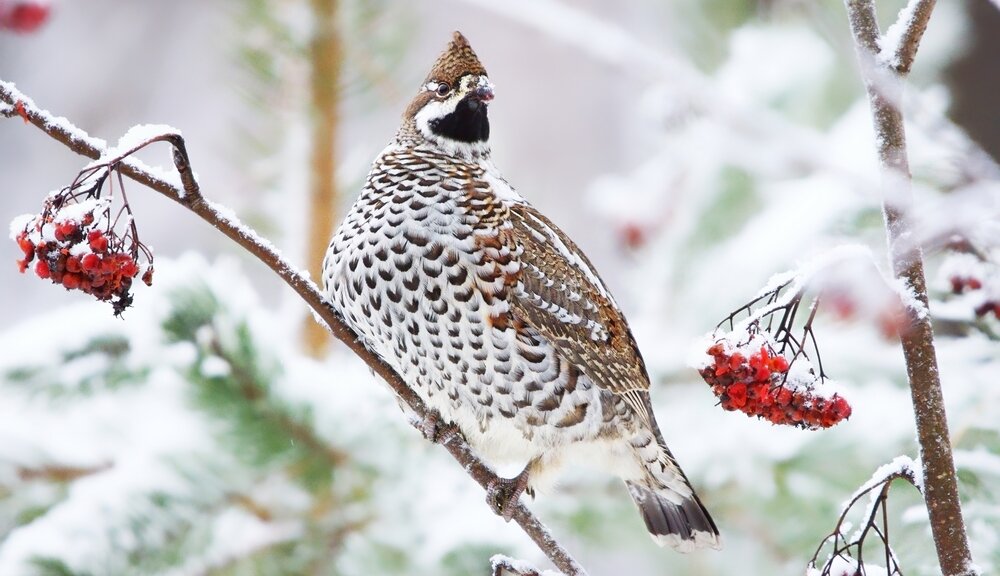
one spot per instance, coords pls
(435, 429)
(503, 494)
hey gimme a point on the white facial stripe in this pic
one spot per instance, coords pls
(439, 108)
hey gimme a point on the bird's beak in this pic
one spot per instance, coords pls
(483, 91)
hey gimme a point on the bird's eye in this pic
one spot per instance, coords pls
(443, 89)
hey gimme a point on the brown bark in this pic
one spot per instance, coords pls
(884, 82)
(326, 57)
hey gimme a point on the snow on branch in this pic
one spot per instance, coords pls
(847, 555)
(502, 565)
(898, 46)
(185, 191)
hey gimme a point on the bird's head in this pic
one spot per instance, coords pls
(449, 111)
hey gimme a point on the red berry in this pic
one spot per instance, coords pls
(735, 361)
(71, 281)
(722, 365)
(762, 374)
(633, 236)
(73, 264)
(973, 283)
(841, 408)
(957, 284)
(738, 394)
(147, 276)
(98, 242)
(65, 229)
(25, 244)
(91, 262)
(779, 364)
(22, 265)
(777, 415)
(762, 393)
(128, 267)
(107, 265)
(24, 16)
(42, 269)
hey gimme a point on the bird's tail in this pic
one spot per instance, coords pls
(672, 519)
(672, 511)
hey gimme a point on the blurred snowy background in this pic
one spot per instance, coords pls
(692, 148)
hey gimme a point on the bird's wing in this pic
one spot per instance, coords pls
(559, 294)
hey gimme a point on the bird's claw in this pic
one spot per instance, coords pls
(503, 494)
(437, 430)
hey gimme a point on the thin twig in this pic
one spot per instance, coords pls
(842, 545)
(884, 85)
(905, 52)
(189, 196)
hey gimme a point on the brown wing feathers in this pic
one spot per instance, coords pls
(560, 296)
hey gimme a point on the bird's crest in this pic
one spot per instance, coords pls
(456, 61)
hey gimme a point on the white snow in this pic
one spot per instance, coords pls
(215, 367)
(900, 466)
(75, 211)
(19, 223)
(139, 135)
(519, 566)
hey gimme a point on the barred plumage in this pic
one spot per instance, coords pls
(493, 315)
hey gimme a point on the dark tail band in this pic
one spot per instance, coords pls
(684, 527)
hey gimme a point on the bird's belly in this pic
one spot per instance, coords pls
(420, 309)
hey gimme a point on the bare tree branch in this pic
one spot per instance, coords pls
(884, 83)
(188, 194)
(913, 18)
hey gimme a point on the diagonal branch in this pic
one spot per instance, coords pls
(187, 193)
(884, 83)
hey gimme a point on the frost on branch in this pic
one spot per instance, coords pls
(85, 240)
(502, 565)
(759, 366)
(848, 550)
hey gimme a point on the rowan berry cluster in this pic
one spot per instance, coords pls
(82, 252)
(758, 385)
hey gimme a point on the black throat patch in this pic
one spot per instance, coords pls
(468, 123)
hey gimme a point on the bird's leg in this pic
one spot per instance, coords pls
(503, 494)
